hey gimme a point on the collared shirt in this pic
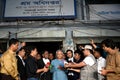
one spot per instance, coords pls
(101, 63)
(22, 60)
(113, 63)
(71, 59)
(9, 64)
(46, 60)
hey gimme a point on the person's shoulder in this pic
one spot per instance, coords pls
(41, 59)
(117, 56)
(17, 57)
(28, 58)
(5, 54)
(118, 53)
(103, 59)
(88, 57)
(55, 60)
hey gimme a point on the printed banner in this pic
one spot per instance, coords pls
(40, 9)
(104, 12)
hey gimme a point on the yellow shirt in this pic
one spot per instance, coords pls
(113, 63)
(9, 64)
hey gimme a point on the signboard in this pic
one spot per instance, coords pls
(40, 9)
(104, 12)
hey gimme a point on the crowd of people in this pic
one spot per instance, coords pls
(90, 62)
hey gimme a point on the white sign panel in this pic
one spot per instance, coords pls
(40, 9)
(105, 12)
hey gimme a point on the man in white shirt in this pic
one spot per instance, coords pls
(101, 62)
(88, 65)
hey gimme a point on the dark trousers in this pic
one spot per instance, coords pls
(6, 77)
(23, 78)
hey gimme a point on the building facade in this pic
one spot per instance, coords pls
(91, 22)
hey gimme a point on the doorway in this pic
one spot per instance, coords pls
(49, 46)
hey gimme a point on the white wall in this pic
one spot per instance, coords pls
(96, 33)
(32, 33)
(58, 32)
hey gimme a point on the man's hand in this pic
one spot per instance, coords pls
(91, 41)
(104, 72)
(45, 69)
(67, 65)
(81, 47)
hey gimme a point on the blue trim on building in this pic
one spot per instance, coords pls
(41, 17)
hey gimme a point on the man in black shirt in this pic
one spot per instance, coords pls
(31, 65)
(21, 63)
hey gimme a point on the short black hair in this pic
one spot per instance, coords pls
(69, 50)
(44, 51)
(30, 48)
(77, 52)
(99, 50)
(13, 41)
(22, 48)
(108, 43)
(91, 51)
(22, 41)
